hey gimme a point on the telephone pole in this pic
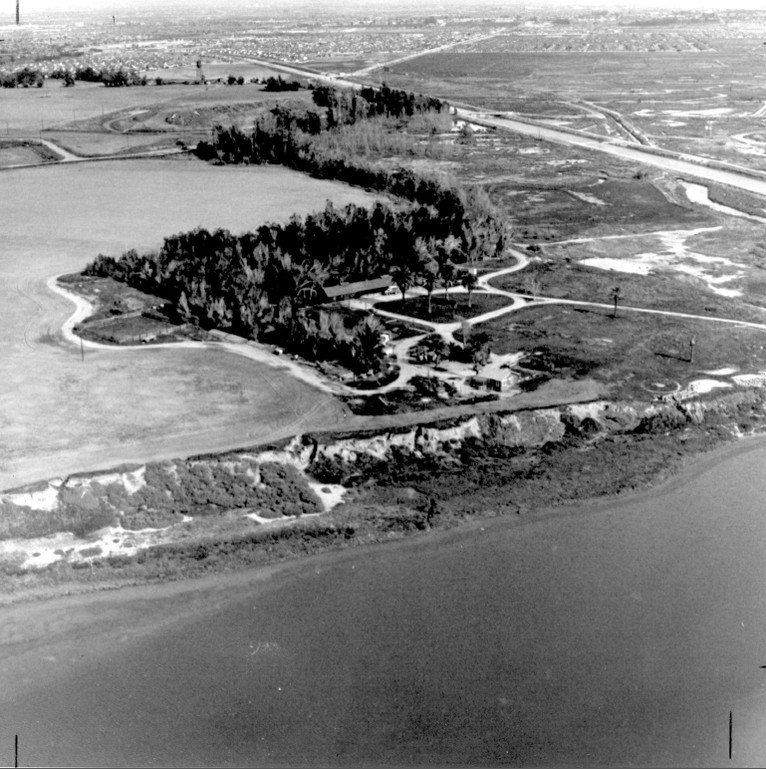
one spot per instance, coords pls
(17, 13)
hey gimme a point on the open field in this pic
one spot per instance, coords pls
(20, 153)
(90, 119)
(699, 93)
(212, 71)
(637, 354)
(28, 111)
(94, 143)
(55, 408)
(566, 209)
(699, 268)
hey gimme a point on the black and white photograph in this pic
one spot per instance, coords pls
(382, 383)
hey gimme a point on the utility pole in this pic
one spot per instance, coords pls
(17, 13)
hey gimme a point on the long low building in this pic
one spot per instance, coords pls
(361, 287)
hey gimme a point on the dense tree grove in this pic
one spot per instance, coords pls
(111, 76)
(278, 83)
(22, 78)
(267, 284)
(264, 284)
(345, 106)
(284, 137)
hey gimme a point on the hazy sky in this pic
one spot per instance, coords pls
(31, 6)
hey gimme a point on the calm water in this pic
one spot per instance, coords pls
(623, 635)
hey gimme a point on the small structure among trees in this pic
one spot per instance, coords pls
(495, 375)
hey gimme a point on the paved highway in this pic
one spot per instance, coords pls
(684, 165)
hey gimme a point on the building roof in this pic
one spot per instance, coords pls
(499, 367)
(360, 287)
(498, 372)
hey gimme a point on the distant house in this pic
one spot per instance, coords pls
(360, 288)
(495, 376)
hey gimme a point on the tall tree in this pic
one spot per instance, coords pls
(616, 295)
(403, 277)
(469, 281)
(478, 347)
(429, 274)
(368, 343)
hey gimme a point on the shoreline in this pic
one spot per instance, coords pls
(136, 588)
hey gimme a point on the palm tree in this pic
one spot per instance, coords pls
(368, 343)
(402, 277)
(616, 295)
(446, 275)
(469, 280)
(428, 275)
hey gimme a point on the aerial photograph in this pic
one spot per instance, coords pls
(383, 383)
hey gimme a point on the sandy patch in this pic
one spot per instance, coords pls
(712, 282)
(132, 481)
(712, 112)
(47, 499)
(458, 126)
(39, 552)
(676, 256)
(636, 265)
(586, 197)
(592, 410)
(331, 494)
(750, 380)
(707, 385)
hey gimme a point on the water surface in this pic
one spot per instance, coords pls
(622, 635)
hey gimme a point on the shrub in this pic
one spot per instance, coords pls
(83, 510)
(17, 522)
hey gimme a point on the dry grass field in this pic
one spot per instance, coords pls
(90, 119)
(687, 91)
(17, 154)
(59, 413)
(95, 144)
(635, 355)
